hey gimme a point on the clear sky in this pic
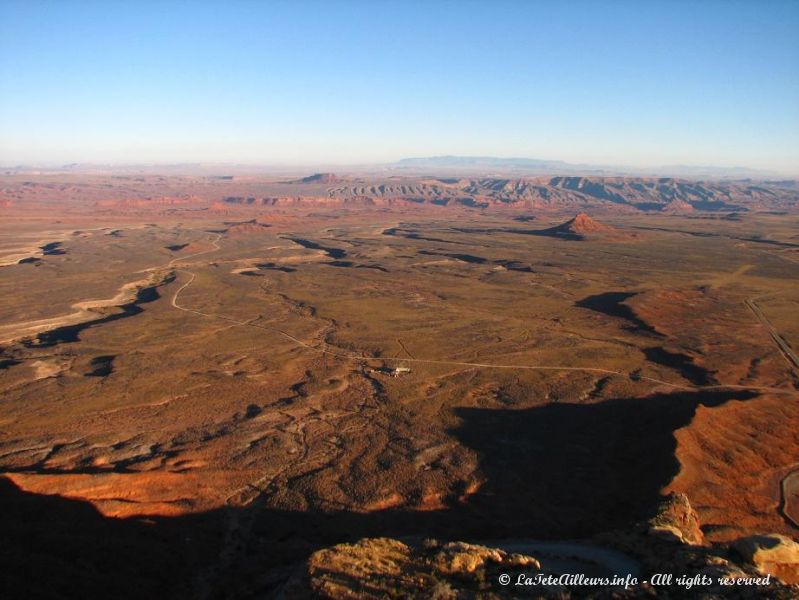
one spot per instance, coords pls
(639, 83)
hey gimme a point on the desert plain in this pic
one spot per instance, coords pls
(204, 380)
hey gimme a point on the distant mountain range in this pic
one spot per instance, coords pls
(533, 166)
(572, 193)
(485, 162)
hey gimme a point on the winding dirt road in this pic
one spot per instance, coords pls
(789, 498)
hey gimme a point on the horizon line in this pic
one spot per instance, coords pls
(574, 168)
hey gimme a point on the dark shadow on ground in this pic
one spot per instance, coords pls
(71, 333)
(557, 471)
(574, 470)
(54, 547)
(682, 363)
(557, 233)
(612, 304)
(334, 253)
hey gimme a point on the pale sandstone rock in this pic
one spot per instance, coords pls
(677, 521)
(771, 553)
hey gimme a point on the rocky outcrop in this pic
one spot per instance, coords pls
(771, 554)
(582, 227)
(677, 521)
(671, 542)
(383, 567)
(581, 224)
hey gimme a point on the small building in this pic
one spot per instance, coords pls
(392, 371)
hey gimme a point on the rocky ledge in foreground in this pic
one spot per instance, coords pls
(627, 564)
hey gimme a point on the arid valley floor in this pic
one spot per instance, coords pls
(197, 374)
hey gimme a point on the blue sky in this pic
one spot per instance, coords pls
(639, 83)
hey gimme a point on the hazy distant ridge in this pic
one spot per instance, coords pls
(534, 166)
(479, 162)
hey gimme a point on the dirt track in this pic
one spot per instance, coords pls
(782, 345)
(364, 358)
(789, 488)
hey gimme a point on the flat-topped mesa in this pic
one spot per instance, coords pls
(252, 226)
(678, 206)
(320, 178)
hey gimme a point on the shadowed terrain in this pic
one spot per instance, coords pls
(560, 471)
